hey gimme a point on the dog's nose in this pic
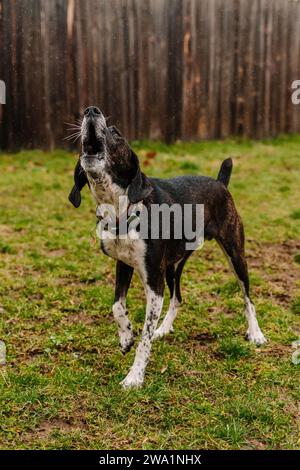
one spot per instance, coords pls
(92, 111)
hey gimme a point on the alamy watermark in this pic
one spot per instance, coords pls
(296, 93)
(2, 92)
(157, 222)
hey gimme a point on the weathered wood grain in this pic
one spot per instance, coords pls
(161, 69)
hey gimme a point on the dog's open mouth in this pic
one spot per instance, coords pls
(93, 145)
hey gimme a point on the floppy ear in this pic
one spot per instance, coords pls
(80, 181)
(140, 186)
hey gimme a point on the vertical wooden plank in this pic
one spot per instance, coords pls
(249, 71)
(211, 69)
(70, 63)
(283, 22)
(15, 90)
(268, 68)
(202, 62)
(174, 76)
(32, 76)
(187, 69)
(275, 44)
(219, 59)
(142, 58)
(227, 69)
(131, 38)
(292, 72)
(241, 66)
(44, 15)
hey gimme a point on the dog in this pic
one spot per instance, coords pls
(111, 169)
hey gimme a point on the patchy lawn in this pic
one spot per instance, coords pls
(205, 387)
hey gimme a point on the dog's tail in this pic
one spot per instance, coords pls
(225, 172)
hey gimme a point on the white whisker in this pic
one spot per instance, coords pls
(74, 126)
(75, 136)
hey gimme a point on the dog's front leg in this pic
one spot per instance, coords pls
(135, 377)
(123, 278)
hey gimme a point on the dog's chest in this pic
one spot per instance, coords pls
(130, 251)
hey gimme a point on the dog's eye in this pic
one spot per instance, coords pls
(115, 132)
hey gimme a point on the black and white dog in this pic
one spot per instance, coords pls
(111, 169)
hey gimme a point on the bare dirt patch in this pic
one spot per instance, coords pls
(59, 253)
(6, 230)
(46, 428)
(81, 317)
(254, 444)
(276, 265)
(276, 350)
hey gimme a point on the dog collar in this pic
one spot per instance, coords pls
(115, 230)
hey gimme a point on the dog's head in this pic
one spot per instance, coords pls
(106, 151)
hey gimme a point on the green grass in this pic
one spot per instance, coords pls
(205, 386)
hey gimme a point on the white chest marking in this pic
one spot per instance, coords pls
(130, 251)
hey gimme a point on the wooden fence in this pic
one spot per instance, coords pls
(162, 69)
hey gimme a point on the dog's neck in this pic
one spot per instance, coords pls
(105, 191)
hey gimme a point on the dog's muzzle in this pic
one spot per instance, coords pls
(93, 131)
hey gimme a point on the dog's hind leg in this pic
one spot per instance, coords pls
(167, 323)
(123, 279)
(232, 244)
(154, 293)
(173, 276)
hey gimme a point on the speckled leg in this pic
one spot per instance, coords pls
(135, 377)
(123, 278)
(173, 274)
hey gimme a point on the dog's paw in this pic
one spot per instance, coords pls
(132, 380)
(162, 331)
(256, 337)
